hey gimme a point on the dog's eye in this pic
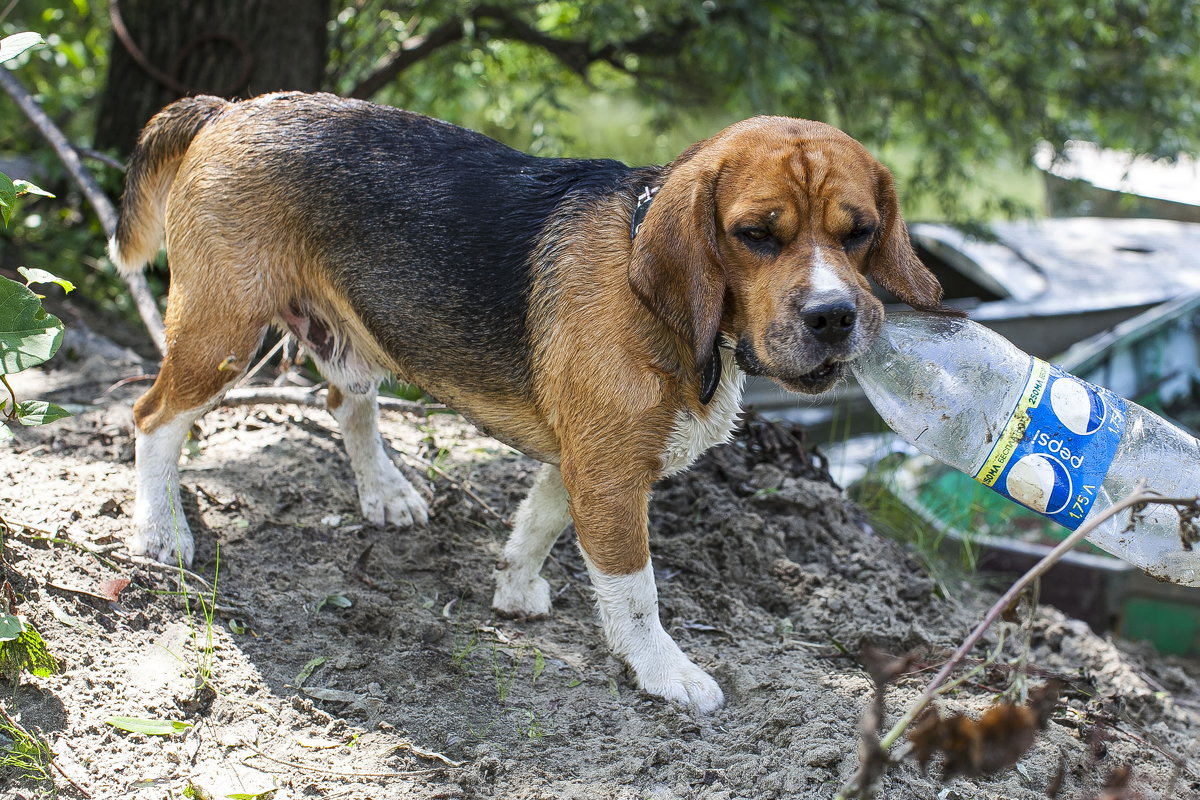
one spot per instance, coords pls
(858, 237)
(758, 239)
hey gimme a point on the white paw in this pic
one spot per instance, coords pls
(629, 613)
(388, 498)
(682, 682)
(168, 541)
(521, 596)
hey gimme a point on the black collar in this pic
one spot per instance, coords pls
(644, 199)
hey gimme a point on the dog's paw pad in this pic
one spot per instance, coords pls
(517, 597)
(165, 544)
(414, 507)
(687, 685)
(391, 500)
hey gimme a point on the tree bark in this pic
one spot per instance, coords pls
(162, 51)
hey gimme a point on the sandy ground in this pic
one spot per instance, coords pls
(768, 578)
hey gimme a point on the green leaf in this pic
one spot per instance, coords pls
(37, 658)
(25, 187)
(338, 600)
(42, 276)
(539, 664)
(39, 412)
(28, 335)
(150, 727)
(13, 46)
(5, 432)
(10, 627)
(8, 198)
(309, 669)
(23, 649)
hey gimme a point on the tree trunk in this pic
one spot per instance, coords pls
(230, 48)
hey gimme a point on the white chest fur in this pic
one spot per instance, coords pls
(695, 433)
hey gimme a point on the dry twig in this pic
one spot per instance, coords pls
(310, 397)
(341, 773)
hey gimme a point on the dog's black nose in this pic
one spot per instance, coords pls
(830, 323)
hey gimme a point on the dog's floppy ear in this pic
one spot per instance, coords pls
(891, 260)
(675, 268)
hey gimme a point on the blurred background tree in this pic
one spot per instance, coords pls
(160, 52)
(954, 94)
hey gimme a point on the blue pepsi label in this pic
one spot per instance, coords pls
(1056, 448)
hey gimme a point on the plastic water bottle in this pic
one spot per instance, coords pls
(1037, 435)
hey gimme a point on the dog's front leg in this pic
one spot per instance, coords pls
(610, 513)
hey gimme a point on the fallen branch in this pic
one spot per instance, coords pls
(1140, 496)
(431, 754)
(106, 554)
(342, 773)
(311, 398)
(101, 554)
(62, 587)
(95, 196)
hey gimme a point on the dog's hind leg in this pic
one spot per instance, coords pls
(206, 354)
(384, 494)
(542, 516)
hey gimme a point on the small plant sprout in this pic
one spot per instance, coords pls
(530, 726)
(539, 665)
(503, 675)
(335, 600)
(148, 727)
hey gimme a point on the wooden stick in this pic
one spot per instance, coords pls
(242, 381)
(310, 398)
(340, 773)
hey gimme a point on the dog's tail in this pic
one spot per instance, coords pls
(152, 167)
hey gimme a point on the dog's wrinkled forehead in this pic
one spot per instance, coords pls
(785, 170)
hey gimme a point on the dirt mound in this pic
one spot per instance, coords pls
(339, 648)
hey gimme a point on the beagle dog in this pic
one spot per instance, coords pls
(598, 317)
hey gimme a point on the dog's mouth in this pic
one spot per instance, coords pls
(812, 382)
(816, 381)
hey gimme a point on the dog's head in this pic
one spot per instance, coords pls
(767, 233)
